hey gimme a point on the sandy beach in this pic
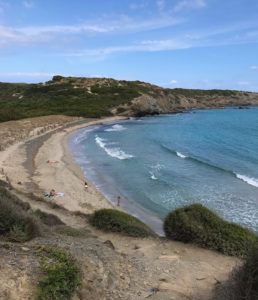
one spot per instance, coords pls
(42, 163)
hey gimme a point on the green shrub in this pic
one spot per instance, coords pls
(198, 225)
(117, 221)
(243, 282)
(61, 276)
(15, 223)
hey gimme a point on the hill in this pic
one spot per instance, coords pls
(96, 97)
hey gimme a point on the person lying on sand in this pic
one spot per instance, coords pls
(53, 193)
(52, 161)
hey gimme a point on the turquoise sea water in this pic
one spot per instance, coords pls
(160, 163)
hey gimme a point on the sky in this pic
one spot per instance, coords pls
(172, 43)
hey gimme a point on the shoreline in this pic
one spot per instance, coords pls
(29, 173)
(25, 165)
(111, 191)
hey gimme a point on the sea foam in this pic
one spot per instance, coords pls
(116, 127)
(152, 176)
(249, 180)
(180, 155)
(83, 134)
(113, 152)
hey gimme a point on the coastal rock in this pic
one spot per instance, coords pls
(109, 244)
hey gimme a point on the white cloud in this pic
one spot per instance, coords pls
(254, 68)
(203, 38)
(189, 4)
(123, 24)
(143, 46)
(28, 3)
(10, 35)
(57, 34)
(173, 81)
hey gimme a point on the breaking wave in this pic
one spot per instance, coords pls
(249, 180)
(246, 179)
(116, 127)
(83, 134)
(180, 155)
(115, 152)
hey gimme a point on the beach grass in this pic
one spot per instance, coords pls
(198, 225)
(112, 220)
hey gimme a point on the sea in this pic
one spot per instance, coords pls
(157, 164)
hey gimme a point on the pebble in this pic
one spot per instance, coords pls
(25, 249)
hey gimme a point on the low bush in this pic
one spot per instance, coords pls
(117, 221)
(61, 276)
(243, 283)
(5, 193)
(48, 219)
(198, 225)
(15, 223)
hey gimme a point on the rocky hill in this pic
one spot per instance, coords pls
(96, 97)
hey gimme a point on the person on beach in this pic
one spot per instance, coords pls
(52, 193)
(52, 161)
(118, 200)
(85, 185)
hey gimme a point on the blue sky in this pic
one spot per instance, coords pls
(172, 43)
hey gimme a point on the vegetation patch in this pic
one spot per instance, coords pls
(84, 97)
(117, 221)
(15, 223)
(48, 219)
(61, 276)
(70, 231)
(66, 96)
(243, 283)
(198, 225)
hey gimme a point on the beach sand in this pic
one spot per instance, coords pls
(26, 166)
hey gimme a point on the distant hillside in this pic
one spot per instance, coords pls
(96, 97)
